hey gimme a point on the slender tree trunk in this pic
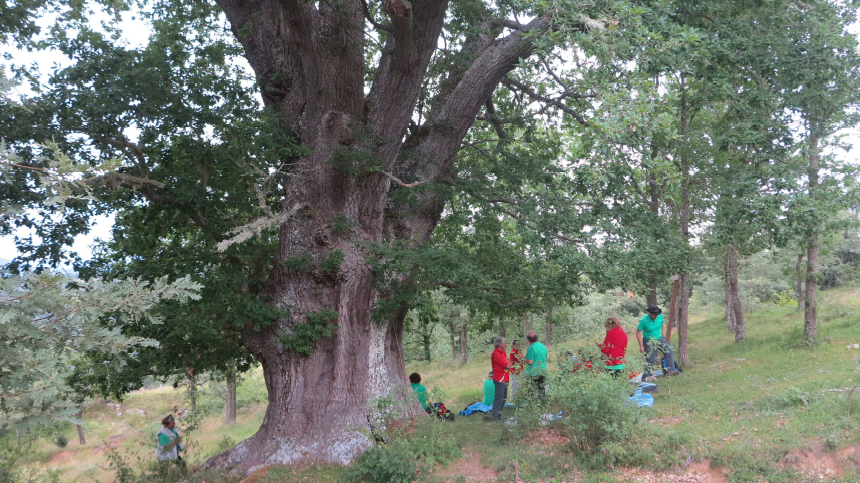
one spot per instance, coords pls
(79, 427)
(737, 308)
(800, 275)
(727, 298)
(464, 344)
(810, 321)
(673, 309)
(451, 331)
(192, 391)
(426, 341)
(526, 324)
(503, 330)
(231, 405)
(651, 297)
(549, 320)
(684, 216)
(683, 320)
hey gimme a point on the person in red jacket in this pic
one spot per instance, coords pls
(516, 359)
(501, 377)
(614, 346)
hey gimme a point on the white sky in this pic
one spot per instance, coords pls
(136, 33)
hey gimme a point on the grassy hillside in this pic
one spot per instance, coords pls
(759, 411)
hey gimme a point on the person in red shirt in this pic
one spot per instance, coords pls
(516, 359)
(501, 377)
(614, 346)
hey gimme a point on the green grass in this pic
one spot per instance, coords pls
(743, 408)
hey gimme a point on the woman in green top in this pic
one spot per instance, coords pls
(168, 441)
(420, 391)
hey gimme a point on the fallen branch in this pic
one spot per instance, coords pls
(847, 389)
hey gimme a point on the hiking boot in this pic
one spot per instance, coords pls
(673, 372)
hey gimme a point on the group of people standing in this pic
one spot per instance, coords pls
(508, 368)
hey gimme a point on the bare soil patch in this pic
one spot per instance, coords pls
(697, 472)
(822, 464)
(468, 467)
(546, 437)
(62, 456)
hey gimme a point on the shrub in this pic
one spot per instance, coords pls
(383, 464)
(409, 450)
(61, 441)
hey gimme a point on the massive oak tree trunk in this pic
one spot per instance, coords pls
(230, 405)
(810, 321)
(733, 299)
(309, 59)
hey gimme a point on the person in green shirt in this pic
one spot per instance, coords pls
(420, 391)
(536, 364)
(651, 340)
(489, 391)
(169, 446)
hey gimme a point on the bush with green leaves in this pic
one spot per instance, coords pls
(383, 464)
(408, 450)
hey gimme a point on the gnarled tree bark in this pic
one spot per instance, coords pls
(309, 60)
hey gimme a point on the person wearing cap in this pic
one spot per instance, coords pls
(651, 340)
(168, 441)
(489, 391)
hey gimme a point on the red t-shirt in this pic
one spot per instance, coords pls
(516, 359)
(614, 346)
(500, 360)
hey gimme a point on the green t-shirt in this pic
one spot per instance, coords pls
(489, 392)
(164, 440)
(536, 354)
(421, 391)
(651, 329)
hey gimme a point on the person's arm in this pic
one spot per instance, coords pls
(639, 338)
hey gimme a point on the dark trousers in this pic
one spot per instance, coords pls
(538, 386)
(499, 401)
(614, 372)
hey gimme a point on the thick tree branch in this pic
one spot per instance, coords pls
(369, 16)
(531, 93)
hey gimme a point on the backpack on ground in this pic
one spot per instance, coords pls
(440, 411)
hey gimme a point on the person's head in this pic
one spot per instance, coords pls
(531, 337)
(654, 311)
(499, 343)
(415, 378)
(169, 422)
(491, 375)
(611, 323)
(515, 344)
